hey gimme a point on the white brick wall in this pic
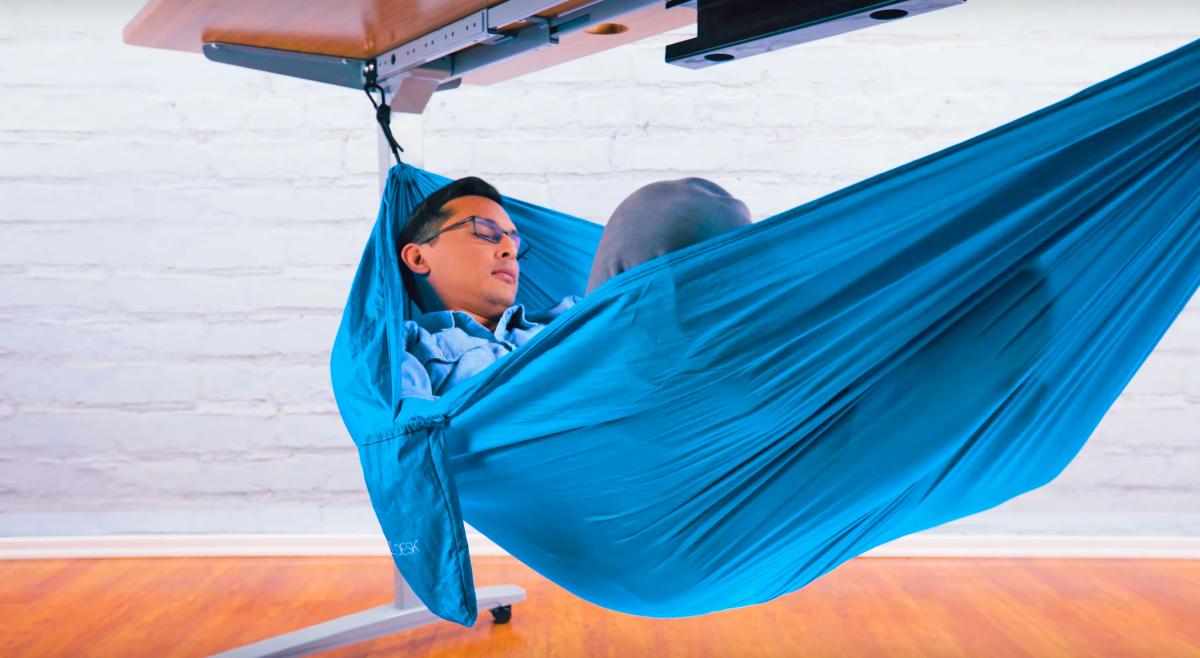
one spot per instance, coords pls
(177, 238)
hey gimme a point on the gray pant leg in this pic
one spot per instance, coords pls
(661, 217)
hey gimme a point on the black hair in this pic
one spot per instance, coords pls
(428, 216)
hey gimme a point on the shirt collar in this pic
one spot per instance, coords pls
(512, 318)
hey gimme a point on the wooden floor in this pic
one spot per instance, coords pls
(866, 607)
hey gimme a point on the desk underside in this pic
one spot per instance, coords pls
(362, 29)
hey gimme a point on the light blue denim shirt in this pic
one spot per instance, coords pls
(447, 347)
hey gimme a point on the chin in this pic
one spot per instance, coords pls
(507, 296)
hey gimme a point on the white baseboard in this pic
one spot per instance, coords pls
(217, 545)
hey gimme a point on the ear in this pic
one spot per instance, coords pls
(412, 257)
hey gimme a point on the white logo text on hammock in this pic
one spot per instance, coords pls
(404, 548)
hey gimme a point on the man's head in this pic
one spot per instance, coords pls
(460, 265)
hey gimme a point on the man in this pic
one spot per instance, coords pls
(462, 252)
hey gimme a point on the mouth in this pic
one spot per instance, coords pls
(506, 275)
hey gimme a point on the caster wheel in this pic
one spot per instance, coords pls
(502, 613)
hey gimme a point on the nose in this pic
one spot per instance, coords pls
(507, 246)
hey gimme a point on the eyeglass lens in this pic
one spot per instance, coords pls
(490, 230)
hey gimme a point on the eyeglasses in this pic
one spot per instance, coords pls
(488, 230)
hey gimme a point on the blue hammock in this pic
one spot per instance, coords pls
(726, 423)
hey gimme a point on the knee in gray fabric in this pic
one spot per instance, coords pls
(662, 217)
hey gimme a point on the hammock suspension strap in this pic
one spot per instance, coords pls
(383, 112)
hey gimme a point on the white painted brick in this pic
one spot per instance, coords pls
(1138, 429)
(526, 188)
(768, 196)
(279, 384)
(178, 383)
(1167, 374)
(594, 198)
(305, 336)
(348, 513)
(235, 475)
(132, 292)
(452, 152)
(1164, 471)
(359, 157)
(235, 156)
(98, 384)
(136, 432)
(195, 202)
(1181, 336)
(475, 109)
(115, 159)
(829, 155)
(71, 110)
(789, 108)
(677, 153)
(605, 109)
(588, 155)
(197, 247)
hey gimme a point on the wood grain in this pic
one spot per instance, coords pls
(362, 29)
(866, 607)
(345, 28)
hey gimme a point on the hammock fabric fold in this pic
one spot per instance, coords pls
(724, 424)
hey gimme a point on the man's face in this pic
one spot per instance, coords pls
(467, 271)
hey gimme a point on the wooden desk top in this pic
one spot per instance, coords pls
(362, 29)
